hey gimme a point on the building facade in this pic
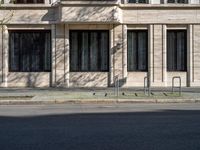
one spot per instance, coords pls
(90, 43)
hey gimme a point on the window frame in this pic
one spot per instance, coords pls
(186, 47)
(29, 31)
(79, 53)
(147, 46)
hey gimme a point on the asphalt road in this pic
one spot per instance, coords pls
(100, 127)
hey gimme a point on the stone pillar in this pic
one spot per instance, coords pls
(118, 53)
(67, 57)
(124, 57)
(196, 56)
(190, 54)
(60, 55)
(111, 57)
(5, 56)
(1, 56)
(150, 54)
(53, 42)
(158, 57)
(164, 40)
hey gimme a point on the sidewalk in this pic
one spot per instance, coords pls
(95, 95)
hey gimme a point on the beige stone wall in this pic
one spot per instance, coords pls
(30, 15)
(26, 79)
(117, 19)
(1, 47)
(90, 14)
(88, 79)
(183, 76)
(135, 79)
(161, 15)
(196, 56)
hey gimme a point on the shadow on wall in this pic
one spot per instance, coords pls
(94, 14)
(88, 79)
(116, 51)
(32, 79)
(34, 16)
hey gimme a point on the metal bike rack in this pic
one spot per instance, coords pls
(147, 88)
(173, 85)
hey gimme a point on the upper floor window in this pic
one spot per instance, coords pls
(28, 1)
(178, 1)
(137, 1)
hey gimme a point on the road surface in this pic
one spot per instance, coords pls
(100, 127)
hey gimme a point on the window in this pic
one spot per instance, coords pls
(89, 50)
(29, 51)
(137, 50)
(137, 1)
(176, 50)
(178, 1)
(28, 1)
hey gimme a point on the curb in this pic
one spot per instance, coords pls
(95, 101)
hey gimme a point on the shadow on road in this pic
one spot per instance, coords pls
(162, 130)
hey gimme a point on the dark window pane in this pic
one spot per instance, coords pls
(171, 1)
(89, 50)
(182, 1)
(171, 53)
(137, 1)
(177, 1)
(132, 1)
(142, 1)
(40, 1)
(19, 1)
(74, 51)
(94, 56)
(30, 51)
(84, 51)
(142, 50)
(137, 50)
(104, 53)
(132, 50)
(47, 52)
(176, 50)
(14, 54)
(28, 1)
